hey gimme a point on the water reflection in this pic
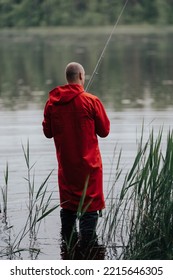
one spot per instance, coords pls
(136, 71)
(78, 253)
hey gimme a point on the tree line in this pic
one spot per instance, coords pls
(26, 13)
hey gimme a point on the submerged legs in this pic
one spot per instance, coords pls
(87, 228)
(83, 242)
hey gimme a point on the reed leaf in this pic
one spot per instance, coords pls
(81, 202)
(47, 213)
(43, 184)
(26, 154)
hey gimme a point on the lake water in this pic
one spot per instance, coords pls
(134, 82)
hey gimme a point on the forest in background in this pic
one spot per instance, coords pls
(27, 13)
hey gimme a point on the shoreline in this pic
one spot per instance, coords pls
(91, 30)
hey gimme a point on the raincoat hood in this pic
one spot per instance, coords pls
(64, 94)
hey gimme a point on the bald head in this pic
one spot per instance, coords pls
(75, 73)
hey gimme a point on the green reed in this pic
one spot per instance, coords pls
(38, 201)
(153, 201)
(4, 192)
(38, 208)
(139, 220)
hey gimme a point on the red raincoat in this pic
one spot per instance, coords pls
(74, 118)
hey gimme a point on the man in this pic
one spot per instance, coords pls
(74, 118)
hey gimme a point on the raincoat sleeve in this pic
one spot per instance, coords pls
(102, 123)
(47, 121)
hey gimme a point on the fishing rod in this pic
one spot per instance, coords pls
(95, 72)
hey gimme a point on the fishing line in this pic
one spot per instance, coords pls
(105, 47)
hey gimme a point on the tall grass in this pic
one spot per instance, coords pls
(4, 191)
(38, 201)
(139, 221)
(38, 208)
